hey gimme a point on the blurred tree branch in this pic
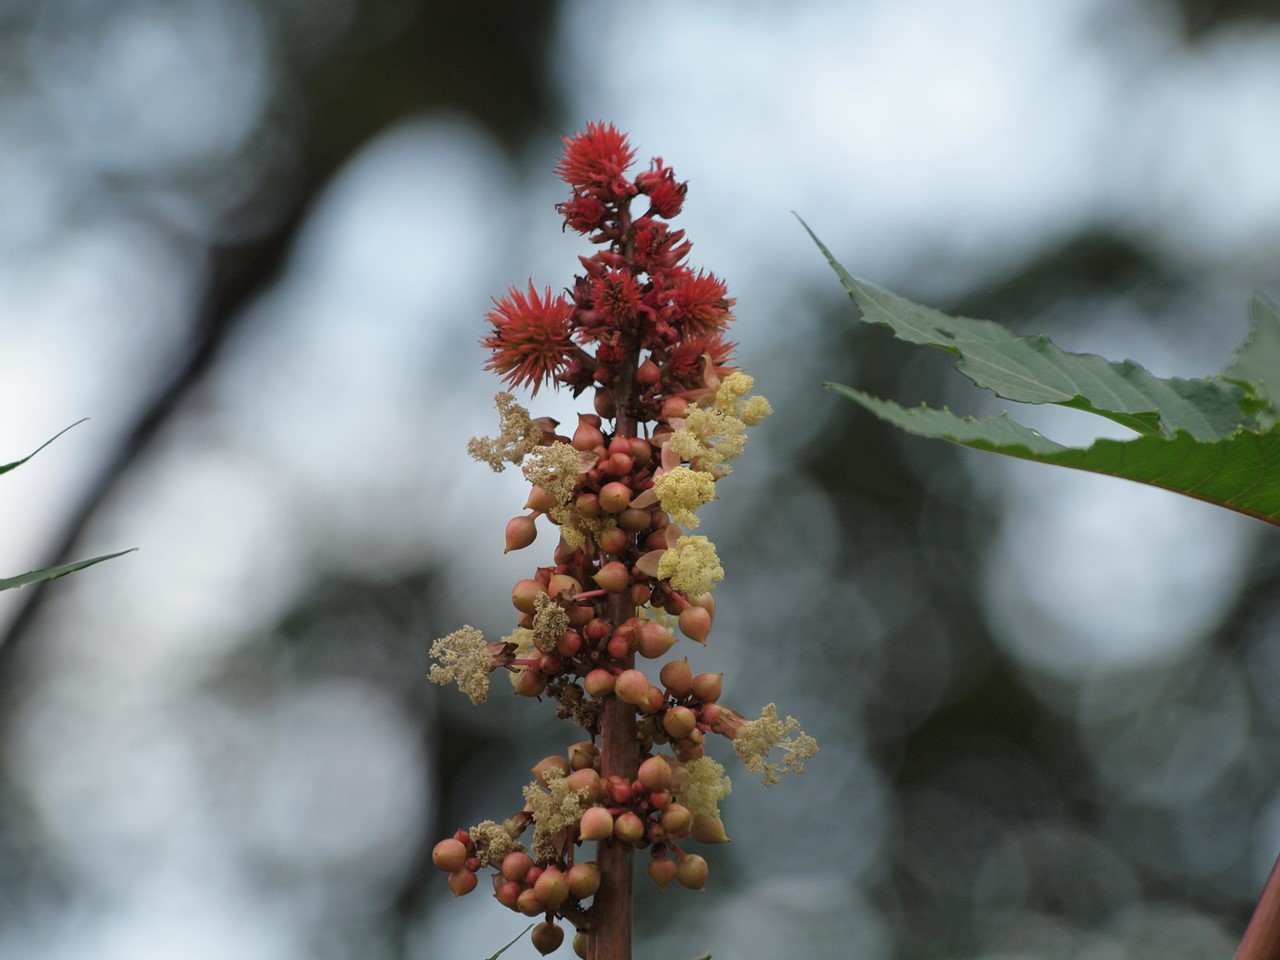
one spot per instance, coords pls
(486, 59)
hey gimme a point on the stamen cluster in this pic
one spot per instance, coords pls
(646, 334)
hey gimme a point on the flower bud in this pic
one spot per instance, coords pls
(449, 855)
(707, 687)
(654, 701)
(547, 937)
(529, 903)
(695, 623)
(507, 892)
(584, 755)
(540, 500)
(521, 531)
(618, 465)
(710, 713)
(604, 403)
(662, 871)
(562, 583)
(655, 542)
(635, 520)
(687, 752)
(599, 683)
(692, 872)
(550, 664)
(655, 640)
(588, 504)
(614, 497)
(548, 764)
(632, 687)
(597, 629)
(659, 799)
(648, 373)
(586, 779)
(677, 677)
(708, 829)
(596, 824)
(641, 451)
(620, 645)
(628, 827)
(583, 879)
(618, 788)
(679, 722)
(580, 614)
(676, 820)
(655, 774)
(552, 888)
(570, 643)
(523, 595)
(516, 865)
(640, 594)
(462, 882)
(530, 683)
(613, 577)
(673, 408)
(612, 540)
(588, 435)
(580, 938)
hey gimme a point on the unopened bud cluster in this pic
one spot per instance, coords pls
(645, 335)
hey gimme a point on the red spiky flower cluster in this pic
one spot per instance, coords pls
(646, 334)
(636, 289)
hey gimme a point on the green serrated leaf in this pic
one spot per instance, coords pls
(1216, 439)
(511, 944)
(1034, 370)
(1241, 474)
(1257, 362)
(5, 468)
(52, 573)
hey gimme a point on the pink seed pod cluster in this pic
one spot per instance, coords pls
(644, 336)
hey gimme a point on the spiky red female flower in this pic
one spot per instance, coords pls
(616, 295)
(596, 160)
(700, 303)
(665, 195)
(530, 337)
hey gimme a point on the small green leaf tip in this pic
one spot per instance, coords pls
(5, 468)
(52, 573)
(519, 937)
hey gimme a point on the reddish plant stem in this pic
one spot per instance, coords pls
(610, 936)
(1262, 938)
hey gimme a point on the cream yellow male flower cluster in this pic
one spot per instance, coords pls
(711, 436)
(692, 566)
(755, 739)
(554, 808)
(463, 657)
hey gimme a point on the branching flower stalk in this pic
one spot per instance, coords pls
(645, 335)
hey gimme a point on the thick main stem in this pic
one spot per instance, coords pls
(610, 936)
(1262, 938)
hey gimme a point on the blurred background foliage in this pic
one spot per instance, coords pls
(254, 239)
